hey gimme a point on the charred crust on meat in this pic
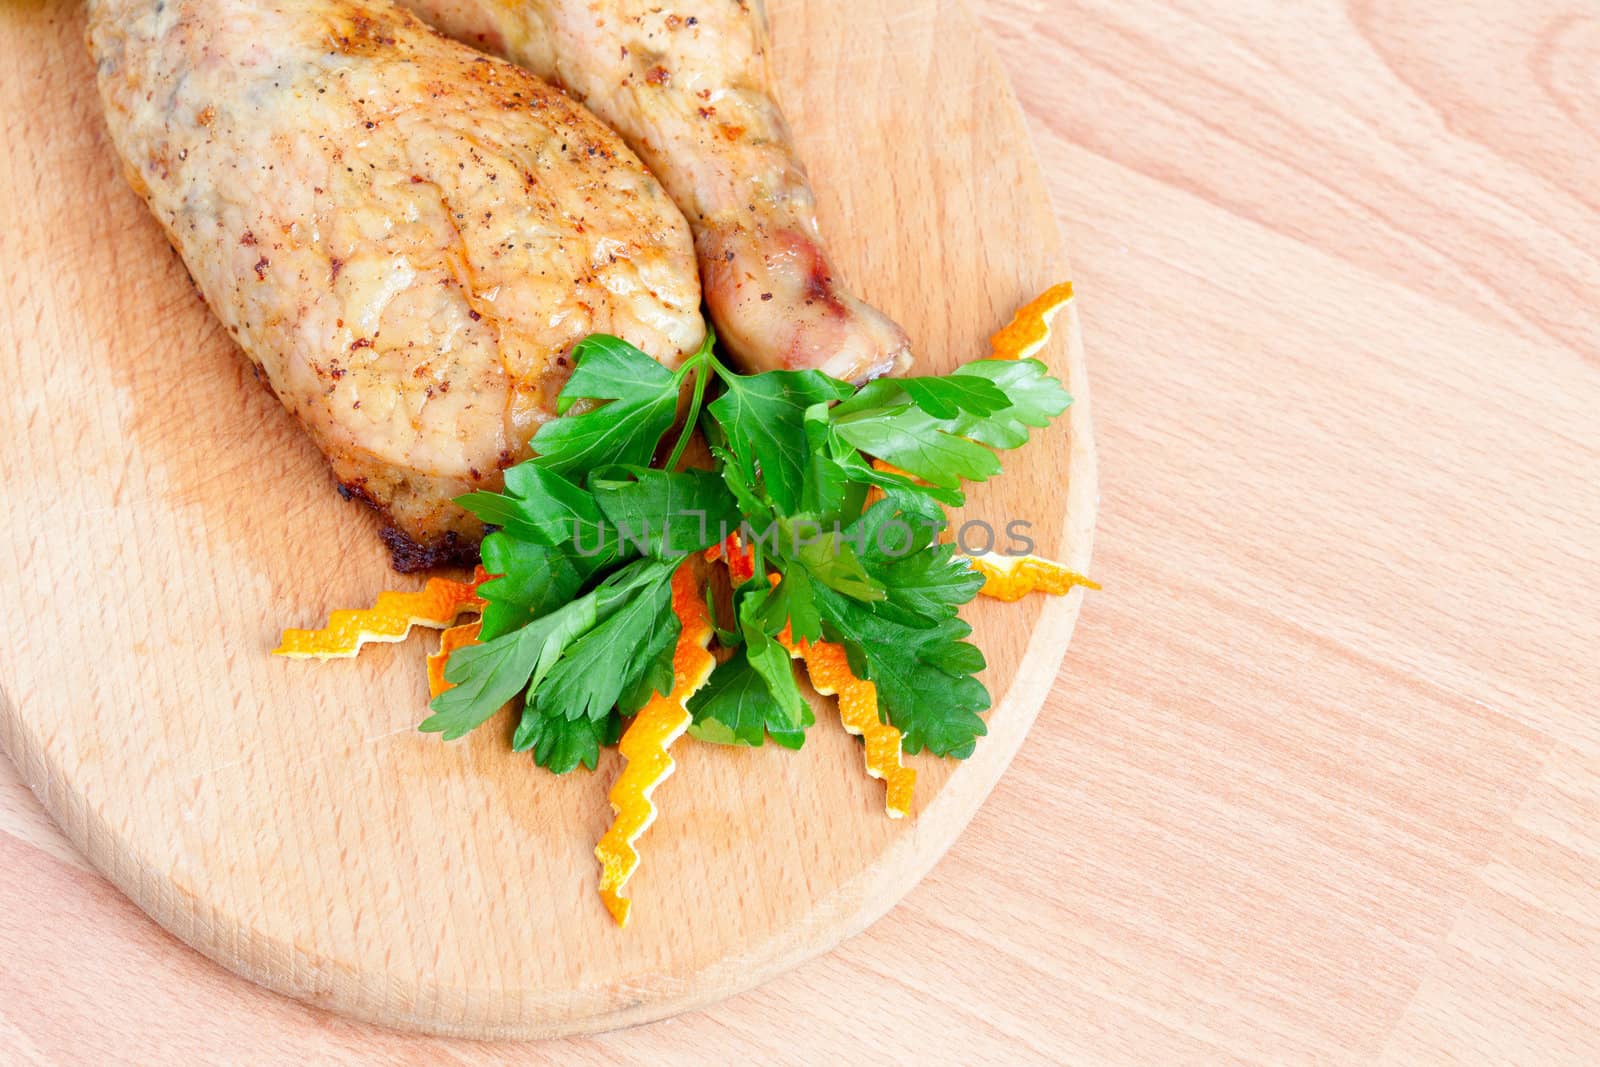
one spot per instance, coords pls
(409, 556)
(406, 554)
(356, 489)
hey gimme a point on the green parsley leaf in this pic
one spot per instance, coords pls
(859, 470)
(943, 398)
(735, 708)
(956, 657)
(904, 522)
(657, 676)
(738, 474)
(666, 513)
(589, 678)
(1035, 398)
(533, 579)
(791, 738)
(923, 685)
(560, 744)
(929, 584)
(485, 676)
(918, 444)
(730, 709)
(725, 637)
(643, 399)
(792, 601)
(899, 424)
(830, 561)
(828, 489)
(761, 416)
(770, 660)
(538, 505)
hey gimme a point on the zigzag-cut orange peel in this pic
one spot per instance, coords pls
(1029, 329)
(1010, 578)
(450, 640)
(391, 618)
(829, 670)
(644, 744)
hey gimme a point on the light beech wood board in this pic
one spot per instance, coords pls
(165, 518)
(1319, 782)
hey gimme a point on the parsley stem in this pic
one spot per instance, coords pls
(758, 561)
(700, 365)
(692, 420)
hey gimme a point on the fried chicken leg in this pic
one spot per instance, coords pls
(688, 87)
(405, 236)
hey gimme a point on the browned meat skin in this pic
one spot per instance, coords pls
(688, 86)
(405, 236)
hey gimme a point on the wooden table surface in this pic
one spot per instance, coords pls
(1320, 779)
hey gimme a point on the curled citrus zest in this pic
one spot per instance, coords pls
(644, 744)
(1029, 329)
(1011, 578)
(830, 674)
(741, 561)
(452, 639)
(435, 605)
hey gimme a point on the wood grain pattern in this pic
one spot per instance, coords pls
(165, 519)
(1318, 782)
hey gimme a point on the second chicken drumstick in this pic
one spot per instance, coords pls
(691, 92)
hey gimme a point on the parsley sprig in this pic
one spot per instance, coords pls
(587, 535)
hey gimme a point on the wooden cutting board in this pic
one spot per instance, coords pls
(164, 518)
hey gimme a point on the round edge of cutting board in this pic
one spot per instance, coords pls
(327, 985)
(291, 969)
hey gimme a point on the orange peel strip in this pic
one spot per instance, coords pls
(1010, 578)
(452, 639)
(435, 605)
(644, 745)
(741, 561)
(1029, 329)
(829, 670)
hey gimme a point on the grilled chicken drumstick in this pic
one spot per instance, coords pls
(688, 87)
(405, 236)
